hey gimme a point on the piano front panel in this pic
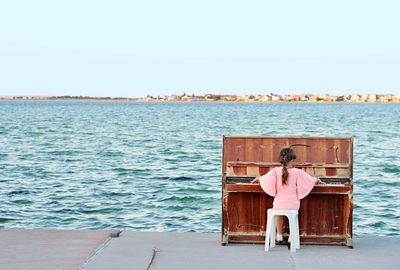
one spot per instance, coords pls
(308, 150)
(246, 212)
(322, 214)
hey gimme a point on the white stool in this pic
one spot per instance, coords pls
(270, 234)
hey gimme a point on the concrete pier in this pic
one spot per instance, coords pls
(97, 250)
(48, 249)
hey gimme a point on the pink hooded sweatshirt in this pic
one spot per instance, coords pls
(287, 197)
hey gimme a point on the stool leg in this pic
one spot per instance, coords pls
(290, 240)
(292, 228)
(273, 231)
(267, 232)
(298, 231)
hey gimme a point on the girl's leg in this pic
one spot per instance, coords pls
(279, 225)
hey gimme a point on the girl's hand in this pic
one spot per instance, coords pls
(256, 180)
(319, 182)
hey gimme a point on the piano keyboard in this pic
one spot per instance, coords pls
(246, 181)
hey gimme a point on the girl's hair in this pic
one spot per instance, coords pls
(286, 155)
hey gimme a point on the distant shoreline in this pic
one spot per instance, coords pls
(309, 98)
(180, 101)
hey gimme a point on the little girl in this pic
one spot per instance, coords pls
(287, 184)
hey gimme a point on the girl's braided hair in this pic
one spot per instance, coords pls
(286, 155)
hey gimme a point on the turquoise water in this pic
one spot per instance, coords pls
(157, 166)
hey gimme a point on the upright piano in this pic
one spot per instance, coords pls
(325, 215)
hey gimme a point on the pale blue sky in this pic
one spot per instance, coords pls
(135, 48)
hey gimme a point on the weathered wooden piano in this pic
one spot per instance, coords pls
(325, 215)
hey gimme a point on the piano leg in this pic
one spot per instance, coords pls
(349, 242)
(225, 240)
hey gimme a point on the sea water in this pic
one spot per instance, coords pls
(157, 166)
